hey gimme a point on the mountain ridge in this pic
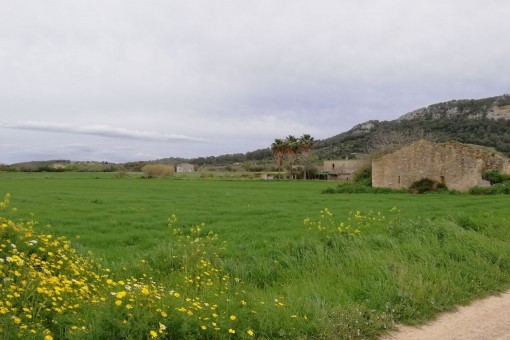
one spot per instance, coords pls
(485, 122)
(491, 107)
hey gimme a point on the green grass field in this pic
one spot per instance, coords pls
(438, 251)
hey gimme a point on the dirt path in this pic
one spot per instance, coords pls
(484, 319)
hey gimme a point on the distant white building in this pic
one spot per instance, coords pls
(57, 166)
(267, 177)
(185, 167)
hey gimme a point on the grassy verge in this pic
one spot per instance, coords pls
(271, 261)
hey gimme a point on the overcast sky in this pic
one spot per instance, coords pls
(122, 80)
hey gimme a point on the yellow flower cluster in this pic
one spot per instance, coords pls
(327, 225)
(41, 277)
(208, 290)
(351, 227)
(45, 286)
(212, 297)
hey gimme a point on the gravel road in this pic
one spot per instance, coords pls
(483, 319)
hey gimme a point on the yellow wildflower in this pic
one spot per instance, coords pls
(250, 332)
(153, 334)
(232, 317)
(232, 331)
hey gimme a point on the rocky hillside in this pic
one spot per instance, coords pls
(484, 122)
(492, 108)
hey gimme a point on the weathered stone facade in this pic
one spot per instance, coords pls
(185, 167)
(343, 169)
(458, 166)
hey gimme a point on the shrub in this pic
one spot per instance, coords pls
(158, 170)
(425, 185)
(359, 188)
(329, 191)
(495, 177)
(121, 174)
(364, 175)
(496, 189)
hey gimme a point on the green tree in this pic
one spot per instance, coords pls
(306, 143)
(278, 150)
(291, 149)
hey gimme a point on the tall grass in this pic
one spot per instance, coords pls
(281, 258)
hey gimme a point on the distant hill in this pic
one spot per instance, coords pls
(483, 121)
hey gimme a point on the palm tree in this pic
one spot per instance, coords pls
(278, 149)
(305, 147)
(291, 149)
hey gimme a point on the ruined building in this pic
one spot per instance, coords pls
(342, 169)
(458, 166)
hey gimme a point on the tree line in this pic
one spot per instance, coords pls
(290, 148)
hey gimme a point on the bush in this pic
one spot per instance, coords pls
(359, 188)
(363, 175)
(329, 191)
(425, 185)
(158, 170)
(496, 189)
(495, 177)
(121, 174)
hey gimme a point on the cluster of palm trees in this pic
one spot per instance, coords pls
(291, 147)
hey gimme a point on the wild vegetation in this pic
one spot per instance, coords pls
(173, 258)
(158, 170)
(500, 184)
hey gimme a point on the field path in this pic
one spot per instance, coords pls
(483, 319)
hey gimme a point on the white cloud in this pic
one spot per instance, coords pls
(100, 130)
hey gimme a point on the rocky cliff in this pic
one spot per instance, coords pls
(493, 108)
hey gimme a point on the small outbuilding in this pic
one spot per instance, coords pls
(341, 169)
(185, 167)
(458, 166)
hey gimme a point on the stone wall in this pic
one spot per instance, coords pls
(185, 167)
(343, 169)
(458, 166)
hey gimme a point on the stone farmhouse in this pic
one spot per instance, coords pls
(458, 166)
(185, 167)
(341, 169)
